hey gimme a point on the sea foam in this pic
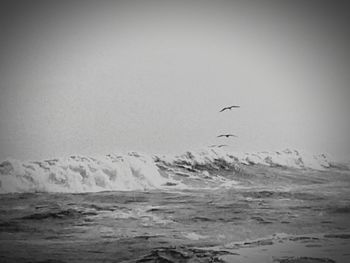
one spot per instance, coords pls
(217, 157)
(134, 171)
(81, 174)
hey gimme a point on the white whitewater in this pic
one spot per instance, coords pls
(81, 174)
(134, 171)
(286, 158)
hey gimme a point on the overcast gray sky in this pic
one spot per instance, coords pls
(95, 77)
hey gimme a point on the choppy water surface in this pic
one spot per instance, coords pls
(265, 215)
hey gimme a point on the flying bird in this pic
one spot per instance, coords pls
(227, 135)
(218, 146)
(229, 108)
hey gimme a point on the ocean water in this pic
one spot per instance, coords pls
(210, 206)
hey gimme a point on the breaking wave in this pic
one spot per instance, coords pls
(81, 174)
(218, 158)
(134, 171)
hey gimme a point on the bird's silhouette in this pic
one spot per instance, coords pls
(230, 108)
(218, 146)
(227, 135)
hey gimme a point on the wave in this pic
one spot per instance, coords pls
(81, 174)
(135, 171)
(221, 159)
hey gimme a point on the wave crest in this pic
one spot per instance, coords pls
(81, 174)
(136, 171)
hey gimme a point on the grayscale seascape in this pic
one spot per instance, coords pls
(174, 131)
(203, 212)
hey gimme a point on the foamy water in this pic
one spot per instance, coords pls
(135, 171)
(207, 206)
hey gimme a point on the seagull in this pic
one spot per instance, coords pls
(227, 135)
(218, 146)
(229, 108)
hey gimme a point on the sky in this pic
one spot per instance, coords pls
(99, 77)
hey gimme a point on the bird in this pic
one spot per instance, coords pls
(227, 135)
(218, 146)
(229, 108)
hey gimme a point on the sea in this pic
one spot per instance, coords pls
(200, 206)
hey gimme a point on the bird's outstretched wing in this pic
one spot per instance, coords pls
(230, 108)
(227, 135)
